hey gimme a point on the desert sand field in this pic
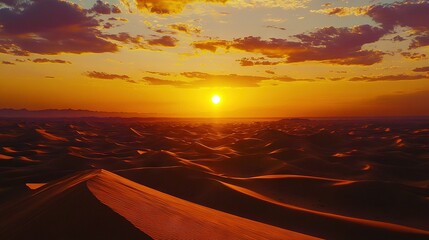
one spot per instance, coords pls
(287, 179)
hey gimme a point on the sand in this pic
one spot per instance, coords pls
(320, 179)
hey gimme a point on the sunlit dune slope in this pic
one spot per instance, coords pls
(240, 200)
(101, 205)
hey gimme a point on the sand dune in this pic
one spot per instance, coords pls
(329, 179)
(99, 204)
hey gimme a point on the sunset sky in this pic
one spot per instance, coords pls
(264, 58)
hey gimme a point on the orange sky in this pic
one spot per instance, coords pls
(267, 58)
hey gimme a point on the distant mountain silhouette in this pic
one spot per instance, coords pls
(66, 113)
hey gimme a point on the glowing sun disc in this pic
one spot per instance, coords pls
(216, 99)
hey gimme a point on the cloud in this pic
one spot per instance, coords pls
(165, 41)
(275, 27)
(422, 69)
(336, 78)
(231, 80)
(411, 14)
(169, 6)
(398, 39)
(162, 82)
(50, 27)
(341, 46)
(177, 6)
(186, 28)
(7, 63)
(413, 56)
(45, 60)
(103, 75)
(291, 79)
(159, 73)
(344, 11)
(13, 3)
(101, 7)
(203, 80)
(408, 13)
(211, 45)
(285, 4)
(420, 41)
(246, 62)
(399, 77)
(108, 25)
(126, 38)
(117, 19)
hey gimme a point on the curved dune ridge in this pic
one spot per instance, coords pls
(157, 215)
(329, 179)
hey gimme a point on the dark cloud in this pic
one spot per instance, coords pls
(186, 28)
(162, 82)
(163, 31)
(408, 13)
(103, 75)
(413, 56)
(412, 14)
(165, 41)
(45, 60)
(56, 27)
(7, 63)
(101, 7)
(159, 73)
(246, 62)
(336, 78)
(270, 72)
(398, 38)
(399, 77)
(329, 45)
(275, 27)
(420, 41)
(291, 79)
(211, 45)
(117, 19)
(108, 25)
(126, 38)
(340, 46)
(422, 69)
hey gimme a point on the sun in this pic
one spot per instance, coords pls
(215, 99)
